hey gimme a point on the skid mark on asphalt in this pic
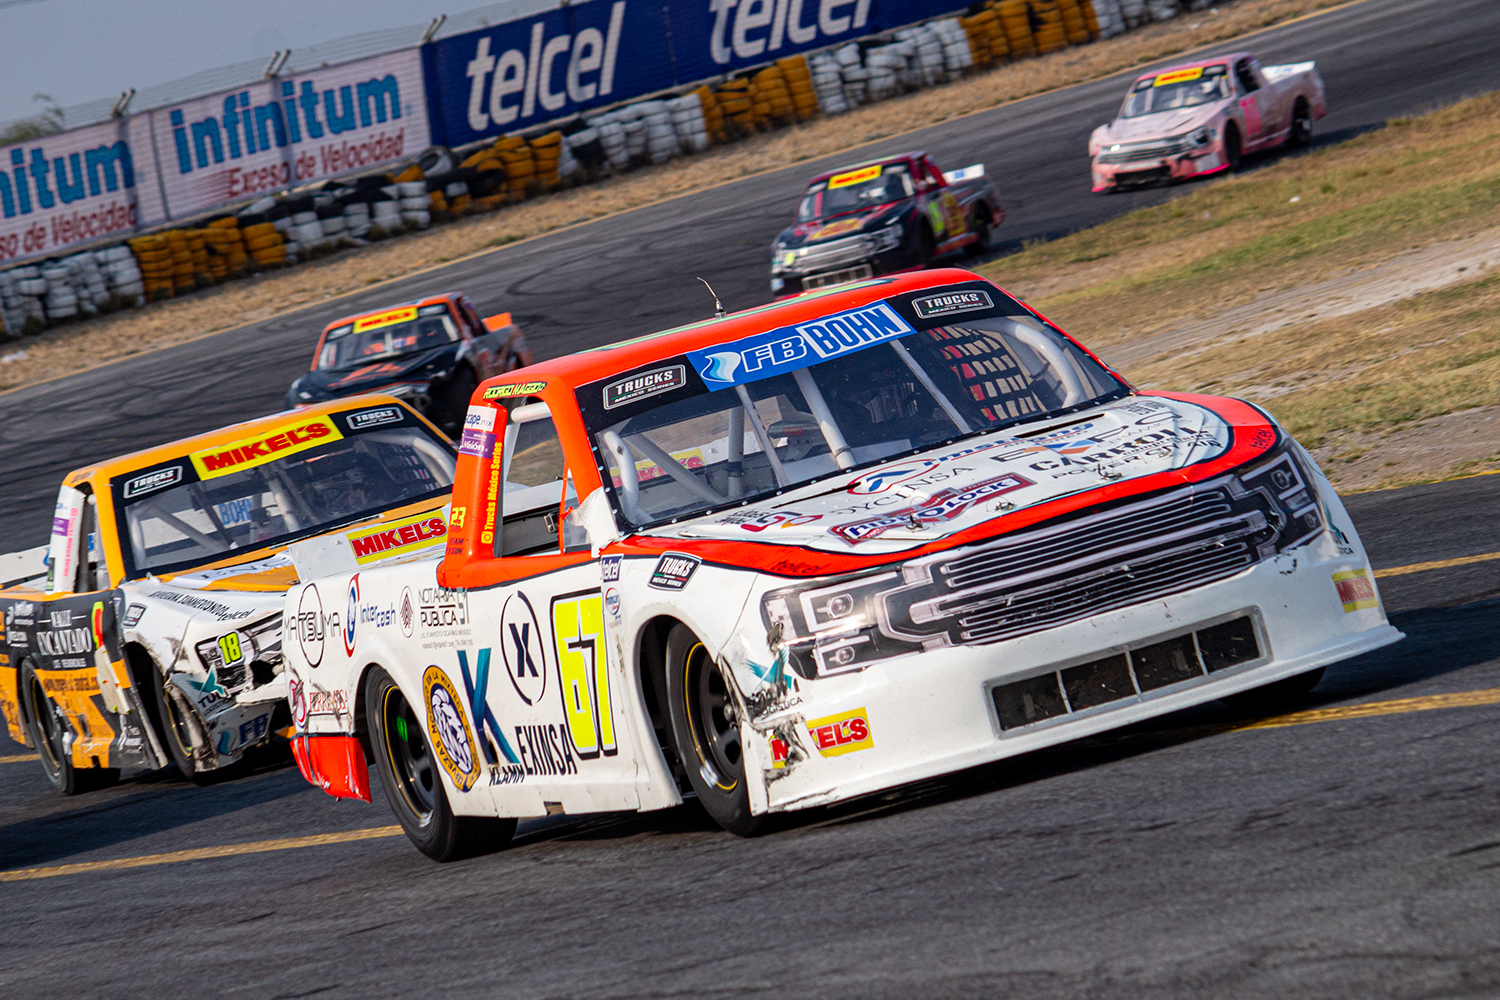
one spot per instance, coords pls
(16, 758)
(1366, 710)
(201, 853)
(1422, 567)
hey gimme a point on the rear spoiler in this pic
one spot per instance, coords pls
(28, 567)
(498, 322)
(1274, 73)
(966, 174)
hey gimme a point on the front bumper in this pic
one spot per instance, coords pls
(832, 266)
(934, 712)
(1139, 168)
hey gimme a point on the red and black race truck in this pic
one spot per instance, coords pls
(882, 216)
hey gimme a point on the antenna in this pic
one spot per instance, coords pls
(718, 306)
(432, 28)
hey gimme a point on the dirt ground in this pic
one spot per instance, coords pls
(162, 324)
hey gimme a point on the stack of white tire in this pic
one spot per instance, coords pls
(1134, 13)
(657, 130)
(387, 213)
(122, 275)
(416, 204)
(928, 67)
(88, 282)
(334, 227)
(61, 301)
(567, 163)
(828, 83)
(306, 231)
(356, 219)
(12, 304)
(612, 139)
(687, 120)
(957, 56)
(1111, 21)
(853, 73)
(1163, 10)
(884, 67)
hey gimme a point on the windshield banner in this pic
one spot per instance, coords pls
(792, 347)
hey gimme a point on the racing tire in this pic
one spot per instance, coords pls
(706, 733)
(456, 401)
(926, 245)
(1275, 696)
(980, 226)
(413, 783)
(1301, 131)
(175, 728)
(46, 732)
(1233, 149)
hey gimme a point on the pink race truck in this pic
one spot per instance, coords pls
(1200, 118)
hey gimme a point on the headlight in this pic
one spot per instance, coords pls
(1292, 498)
(889, 238)
(1201, 137)
(833, 627)
(233, 653)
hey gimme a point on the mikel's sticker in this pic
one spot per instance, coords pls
(374, 418)
(160, 479)
(1356, 591)
(397, 537)
(1179, 76)
(840, 734)
(448, 730)
(507, 391)
(673, 571)
(390, 317)
(851, 177)
(949, 303)
(628, 390)
(247, 453)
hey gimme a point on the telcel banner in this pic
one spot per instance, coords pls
(290, 131)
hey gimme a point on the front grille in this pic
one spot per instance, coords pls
(1126, 675)
(1144, 151)
(832, 278)
(834, 253)
(1128, 178)
(1049, 576)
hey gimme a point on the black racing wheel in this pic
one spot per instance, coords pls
(706, 733)
(926, 245)
(979, 225)
(1232, 148)
(1301, 131)
(177, 720)
(455, 401)
(409, 773)
(46, 730)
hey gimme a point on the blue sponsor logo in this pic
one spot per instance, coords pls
(75, 176)
(477, 687)
(792, 347)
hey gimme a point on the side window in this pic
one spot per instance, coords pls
(934, 175)
(476, 321)
(1247, 79)
(535, 480)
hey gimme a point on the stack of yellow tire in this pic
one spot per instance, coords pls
(773, 94)
(202, 266)
(979, 40)
(713, 115)
(1090, 17)
(989, 20)
(735, 99)
(1075, 26)
(411, 173)
(487, 160)
(520, 168)
(460, 205)
(154, 258)
(799, 83)
(226, 248)
(437, 201)
(265, 244)
(1015, 18)
(1050, 36)
(182, 260)
(545, 152)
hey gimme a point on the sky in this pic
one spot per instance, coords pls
(79, 50)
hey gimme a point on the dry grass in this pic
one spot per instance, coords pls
(101, 340)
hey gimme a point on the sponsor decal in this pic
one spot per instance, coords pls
(365, 419)
(479, 418)
(308, 625)
(951, 303)
(351, 615)
(65, 642)
(1179, 76)
(509, 391)
(222, 612)
(840, 734)
(838, 228)
(407, 613)
(943, 505)
(328, 703)
(884, 479)
(521, 648)
(96, 621)
(208, 693)
(545, 751)
(439, 608)
(456, 517)
(480, 444)
(250, 731)
(792, 347)
(1356, 590)
(397, 537)
(297, 695)
(390, 317)
(151, 481)
(852, 177)
(583, 673)
(629, 390)
(673, 571)
(477, 689)
(760, 520)
(247, 453)
(612, 604)
(60, 619)
(609, 568)
(233, 513)
(452, 740)
(779, 751)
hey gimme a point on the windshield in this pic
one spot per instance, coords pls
(855, 190)
(1183, 88)
(352, 344)
(912, 392)
(241, 497)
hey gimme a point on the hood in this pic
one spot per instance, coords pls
(1162, 125)
(352, 381)
(921, 500)
(823, 230)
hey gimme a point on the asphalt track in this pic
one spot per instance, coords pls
(633, 274)
(1353, 853)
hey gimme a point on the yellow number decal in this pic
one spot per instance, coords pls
(229, 646)
(578, 629)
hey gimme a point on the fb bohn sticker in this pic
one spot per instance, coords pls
(521, 646)
(448, 730)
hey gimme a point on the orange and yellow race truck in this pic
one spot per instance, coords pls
(152, 634)
(430, 353)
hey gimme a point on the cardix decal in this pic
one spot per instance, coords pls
(448, 731)
(397, 537)
(944, 505)
(247, 453)
(792, 347)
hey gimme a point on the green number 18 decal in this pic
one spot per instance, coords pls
(578, 626)
(229, 647)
